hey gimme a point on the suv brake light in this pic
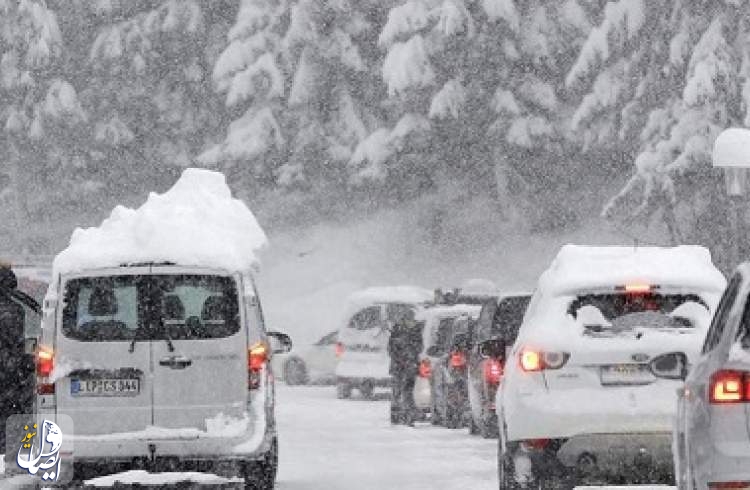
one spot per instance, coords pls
(458, 359)
(425, 368)
(45, 364)
(493, 371)
(257, 355)
(729, 386)
(532, 360)
(339, 349)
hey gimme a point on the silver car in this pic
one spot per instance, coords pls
(712, 431)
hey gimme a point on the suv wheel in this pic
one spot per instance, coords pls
(295, 372)
(261, 475)
(343, 391)
(473, 427)
(367, 390)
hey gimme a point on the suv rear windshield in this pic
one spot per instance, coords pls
(628, 310)
(150, 307)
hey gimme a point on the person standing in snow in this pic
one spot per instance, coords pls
(16, 368)
(404, 346)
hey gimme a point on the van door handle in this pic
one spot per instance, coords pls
(175, 362)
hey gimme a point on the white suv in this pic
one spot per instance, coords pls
(589, 388)
(712, 433)
(160, 366)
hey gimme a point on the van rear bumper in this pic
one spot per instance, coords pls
(246, 447)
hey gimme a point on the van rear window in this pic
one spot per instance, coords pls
(150, 307)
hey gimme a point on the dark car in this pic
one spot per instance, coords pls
(449, 383)
(496, 329)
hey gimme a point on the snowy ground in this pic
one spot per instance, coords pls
(345, 444)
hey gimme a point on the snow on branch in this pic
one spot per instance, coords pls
(407, 65)
(710, 69)
(449, 101)
(249, 137)
(244, 85)
(622, 22)
(405, 20)
(454, 19)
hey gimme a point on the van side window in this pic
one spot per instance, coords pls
(743, 333)
(722, 314)
(366, 319)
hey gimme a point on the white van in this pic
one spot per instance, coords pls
(363, 337)
(153, 340)
(161, 366)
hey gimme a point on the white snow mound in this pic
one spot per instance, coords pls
(196, 223)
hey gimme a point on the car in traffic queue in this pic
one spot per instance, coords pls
(449, 373)
(588, 393)
(492, 335)
(160, 366)
(712, 428)
(362, 348)
(437, 334)
(309, 364)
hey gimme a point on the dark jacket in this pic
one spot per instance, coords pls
(404, 347)
(16, 367)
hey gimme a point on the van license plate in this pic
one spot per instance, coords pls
(105, 387)
(626, 374)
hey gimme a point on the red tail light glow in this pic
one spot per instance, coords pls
(458, 359)
(493, 371)
(339, 349)
(425, 368)
(45, 363)
(535, 444)
(728, 386)
(532, 360)
(257, 356)
(735, 485)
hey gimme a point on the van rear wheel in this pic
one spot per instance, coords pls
(261, 474)
(343, 391)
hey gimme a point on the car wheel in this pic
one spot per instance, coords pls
(261, 475)
(473, 427)
(343, 391)
(295, 372)
(487, 426)
(435, 418)
(452, 417)
(505, 472)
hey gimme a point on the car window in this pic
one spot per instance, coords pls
(722, 314)
(150, 307)
(484, 322)
(366, 319)
(443, 333)
(328, 339)
(508, 317)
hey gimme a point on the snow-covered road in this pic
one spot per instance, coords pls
(333, 444)
(350, 444)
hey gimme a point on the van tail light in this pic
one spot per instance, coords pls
(533, 360)
(729, 386)
(45, 364)
(458, 359)
(257, 356)
(339, 349)
(425, 368)
(493, 371)
(725, 485)
(531, 445)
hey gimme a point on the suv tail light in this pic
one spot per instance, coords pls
(45, 364)
(458, 359)
(339, 349)
(257, 355)
(425, 368)
(729, 386)
(724, 485)
(533, 360)
(493, 371)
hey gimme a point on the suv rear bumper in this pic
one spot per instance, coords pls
(611, 451)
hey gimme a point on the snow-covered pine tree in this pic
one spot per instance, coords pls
(665, 78)
(40, 113)
(250, 75)
(152, 99)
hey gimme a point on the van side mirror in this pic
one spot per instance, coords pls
(493, 348)
(280, 342)
(435, 351)
(673, 365)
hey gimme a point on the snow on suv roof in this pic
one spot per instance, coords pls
(577, 268)
(195, 223)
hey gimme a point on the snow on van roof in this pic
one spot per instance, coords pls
(579, 267)
(389, 294)
(196, 223)
(441, 311)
